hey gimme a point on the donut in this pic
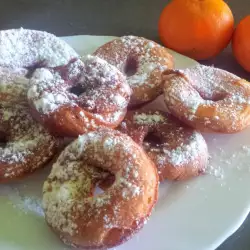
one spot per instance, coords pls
(178, 151)
(24, 144)
(24, 48)
(208, 99)
(142, 61)
(84, 220)
(79, 97)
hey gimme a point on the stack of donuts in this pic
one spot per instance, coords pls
(118, 143)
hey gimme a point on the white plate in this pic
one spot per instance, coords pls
(195, 215)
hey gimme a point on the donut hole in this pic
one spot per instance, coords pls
(104, 184)
(107, 182)
(98, 191)
(131, 66)
(77, 90)
(3, 139)
(153, 139)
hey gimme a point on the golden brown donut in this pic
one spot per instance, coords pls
(208, 99)
(79, 97)
(142, 61)
(108, 219)
(24, 144)
(178, 151)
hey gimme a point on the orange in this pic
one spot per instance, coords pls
(199, 29)
(241, 43)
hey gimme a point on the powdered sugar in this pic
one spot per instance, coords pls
(148, 119)
(186, 91)
(20, 48)
(28, 145)
(49, 102)
(216, 171)
(67, 192)
(13, 86)
(191, 99)
(193, 149)
(42, 81)
(26, 204)
(141, 60)
(144, 73)
(210, 81)
(112, 117)
(30, 204)
(25, 137)
(176, 147)
(42, 74)
(104, 87)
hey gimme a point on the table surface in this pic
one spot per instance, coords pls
(113, 17)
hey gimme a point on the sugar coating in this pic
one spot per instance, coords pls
(110, 117)
(215, 171)
(149, 59)
(148, 119)
(67, 193)
(25, 139)
(26, 204)
(28, 144)
(13, 86)
(208, 82)
(189, 144)
(178, 146)
(104, 87)
(194, 148)
(21, 48)
(188, 90)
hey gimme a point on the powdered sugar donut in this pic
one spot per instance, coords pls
(22, 48)
(24, 144)
(208, 98)
(142, 61)
(109, 218)
(178, 151)
(79, 97)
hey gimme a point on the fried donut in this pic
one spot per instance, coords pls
(110, 218)
(79, 97)
(208, 99)
(178, 151)
(142, 61)
(23, 48)
(24, 144)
